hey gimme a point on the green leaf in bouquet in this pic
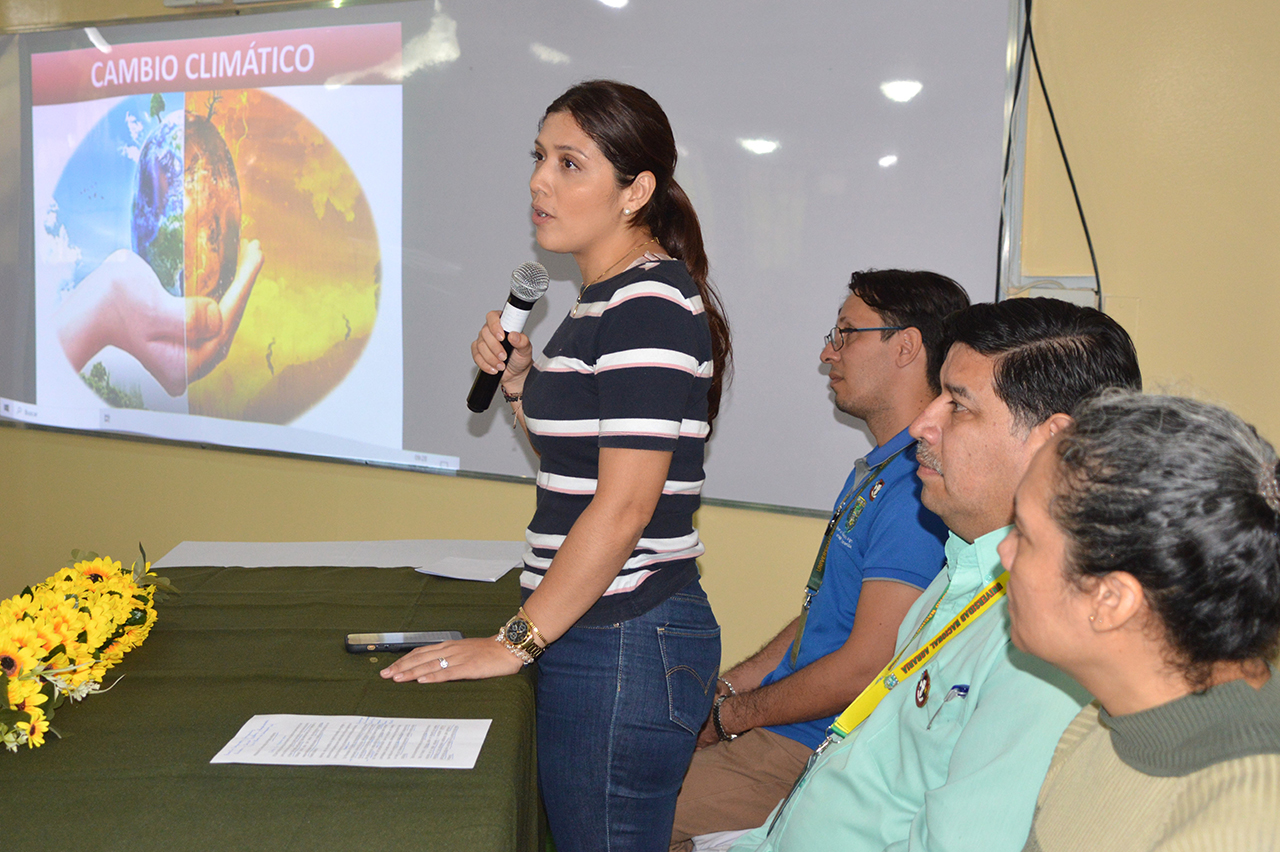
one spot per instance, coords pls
(163, 585)
(140, 568)
(4, 691)
(59, 698)
(10, 717)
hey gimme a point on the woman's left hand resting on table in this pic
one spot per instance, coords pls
(466, 659)
(593, 552)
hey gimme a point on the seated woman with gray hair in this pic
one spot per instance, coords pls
(1145, 563)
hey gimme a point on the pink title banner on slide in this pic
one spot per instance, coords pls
(359, 54)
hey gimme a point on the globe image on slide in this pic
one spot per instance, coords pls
(186, 180)
(211, 201)
(186, 207)
(157, 203)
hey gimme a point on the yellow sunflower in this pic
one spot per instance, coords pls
(20, 649)
(67, 622)
(13, 609)
(36, 728)
(98, 570)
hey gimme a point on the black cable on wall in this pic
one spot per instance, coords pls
(1028, 40)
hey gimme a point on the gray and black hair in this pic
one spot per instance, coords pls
(1183, 495)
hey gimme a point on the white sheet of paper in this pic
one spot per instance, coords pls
(461, 568)
(292, 740)
(459, 559)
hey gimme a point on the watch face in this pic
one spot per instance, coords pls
(517, 630)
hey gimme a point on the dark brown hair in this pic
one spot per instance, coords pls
(912, 299)
(633, 132)
(1050, 355)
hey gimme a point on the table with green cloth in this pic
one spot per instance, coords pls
(133, 772)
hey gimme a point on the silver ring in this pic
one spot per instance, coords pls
(444, 664)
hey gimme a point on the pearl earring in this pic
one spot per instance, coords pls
(626, 211)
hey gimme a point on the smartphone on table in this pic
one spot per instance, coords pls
(360, 643)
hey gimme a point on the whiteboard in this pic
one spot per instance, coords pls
(856, 180)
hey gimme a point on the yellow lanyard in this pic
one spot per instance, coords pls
(893, 673)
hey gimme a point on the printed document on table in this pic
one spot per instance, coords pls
(290, 740)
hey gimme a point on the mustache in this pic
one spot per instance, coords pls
(926, 457)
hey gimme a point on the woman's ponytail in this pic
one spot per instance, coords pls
(673, 221)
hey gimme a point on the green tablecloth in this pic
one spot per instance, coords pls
(134, 774)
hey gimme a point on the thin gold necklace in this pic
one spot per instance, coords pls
(611, 267)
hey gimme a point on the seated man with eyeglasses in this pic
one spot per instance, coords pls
(880, 551)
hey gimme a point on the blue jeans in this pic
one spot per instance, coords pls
(619, 709)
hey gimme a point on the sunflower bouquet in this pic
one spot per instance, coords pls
(59, 638)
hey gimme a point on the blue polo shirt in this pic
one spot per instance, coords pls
(893, 537)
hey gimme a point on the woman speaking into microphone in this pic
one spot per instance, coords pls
(618, 409)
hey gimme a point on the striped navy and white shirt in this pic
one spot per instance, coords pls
(630, 368)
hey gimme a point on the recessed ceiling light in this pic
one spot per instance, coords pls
(759, 146)
(901, 90)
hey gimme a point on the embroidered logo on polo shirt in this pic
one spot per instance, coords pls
(922, 689)
(858, 506)
(875, 489)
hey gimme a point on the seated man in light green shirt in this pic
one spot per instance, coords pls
(953, 756)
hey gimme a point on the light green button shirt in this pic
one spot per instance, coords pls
(956, 766)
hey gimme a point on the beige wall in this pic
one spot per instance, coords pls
(1170, 115)
(1170, 111)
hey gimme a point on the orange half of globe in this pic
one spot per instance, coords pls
(261, 170)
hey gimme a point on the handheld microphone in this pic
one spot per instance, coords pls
(528, 282)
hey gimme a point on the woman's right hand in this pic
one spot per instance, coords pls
(489, 355)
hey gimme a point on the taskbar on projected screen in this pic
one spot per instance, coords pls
(227, 433)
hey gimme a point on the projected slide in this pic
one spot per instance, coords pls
(217, 237)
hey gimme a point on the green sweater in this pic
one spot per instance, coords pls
(1198, 773)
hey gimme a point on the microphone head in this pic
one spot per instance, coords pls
(530, 281)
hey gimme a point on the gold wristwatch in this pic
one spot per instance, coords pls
(519, 637)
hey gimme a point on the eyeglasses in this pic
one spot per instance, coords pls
(835, 337)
